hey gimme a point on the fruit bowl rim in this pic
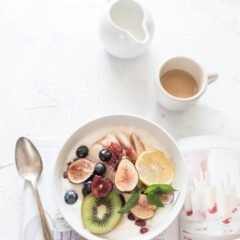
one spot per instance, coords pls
(154, 232)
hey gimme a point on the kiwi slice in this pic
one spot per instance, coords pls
(100, 215)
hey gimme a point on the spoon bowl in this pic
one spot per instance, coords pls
(28, 160)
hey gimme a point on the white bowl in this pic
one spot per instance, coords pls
(126, 230)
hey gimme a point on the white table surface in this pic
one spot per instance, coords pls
(55, 75)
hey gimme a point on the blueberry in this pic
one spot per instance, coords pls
(86, 188)
(90, 178)
(105, 155)
(70, 197)
(82, 151)
(100, 169)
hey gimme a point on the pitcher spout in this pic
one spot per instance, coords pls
(129, 16)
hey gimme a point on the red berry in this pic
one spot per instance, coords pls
(131, 217)
(65, 174)
(144, 230)
(101, 187)
(140, 223)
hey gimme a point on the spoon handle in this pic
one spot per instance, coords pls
(45, 227)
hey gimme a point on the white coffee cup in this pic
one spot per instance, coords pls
(190, 66)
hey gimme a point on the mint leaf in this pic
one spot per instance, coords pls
(155, 200)
(132, 201)
(159, 188)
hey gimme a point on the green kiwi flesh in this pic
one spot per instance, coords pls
(100, 215)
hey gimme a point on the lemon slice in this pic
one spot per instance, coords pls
(154, 167)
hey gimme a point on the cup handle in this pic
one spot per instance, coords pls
(212, 77)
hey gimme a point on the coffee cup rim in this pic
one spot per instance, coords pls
(194, 97)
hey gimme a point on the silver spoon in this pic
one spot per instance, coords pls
(29, 166)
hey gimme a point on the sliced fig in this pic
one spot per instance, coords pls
(126, 178)
(80, 170)
(167, 198)
(131, 154)
(94, 152)
(101, 187)
(125, 142)
(137, 143)
(108, 139)
(143, 210)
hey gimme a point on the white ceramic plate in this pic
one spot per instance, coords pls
(208, 142)
(203, 145)
(89, 133)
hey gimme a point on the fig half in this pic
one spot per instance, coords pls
(80, 170)
(143, 209)
(126, 178)
(167, 198)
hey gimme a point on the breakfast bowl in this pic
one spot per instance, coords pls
(140, 159)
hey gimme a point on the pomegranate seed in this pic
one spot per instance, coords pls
(144, 230)
(65, 174)
(131, 217)
(140, 223)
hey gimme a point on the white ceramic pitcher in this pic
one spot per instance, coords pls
(126, 28)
